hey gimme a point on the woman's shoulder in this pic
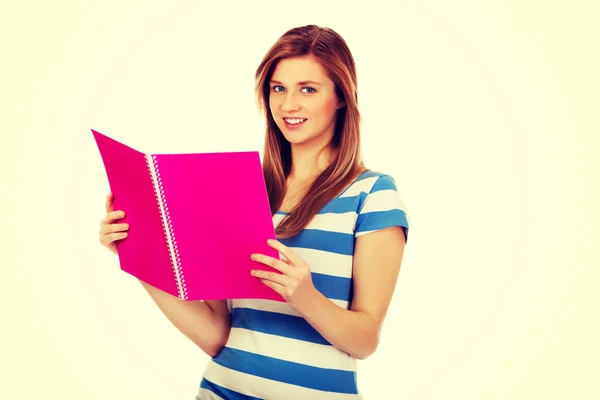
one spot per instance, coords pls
(370, 181)
(380, 204)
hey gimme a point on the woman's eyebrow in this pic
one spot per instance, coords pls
(299, 83)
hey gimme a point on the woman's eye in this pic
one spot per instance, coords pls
(278, 88)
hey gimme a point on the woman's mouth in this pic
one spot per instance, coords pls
(294, 123)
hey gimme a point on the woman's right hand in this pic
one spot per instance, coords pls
(110, 231)
(206, 323)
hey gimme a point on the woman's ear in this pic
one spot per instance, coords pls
(341, 104)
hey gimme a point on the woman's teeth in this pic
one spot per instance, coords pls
(294, 121)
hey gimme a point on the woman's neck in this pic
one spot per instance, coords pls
(308, 163)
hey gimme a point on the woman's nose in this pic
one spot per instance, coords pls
(290, 103)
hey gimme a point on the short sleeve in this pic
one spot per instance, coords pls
(382, 208)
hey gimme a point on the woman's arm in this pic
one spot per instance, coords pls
(206, 323)
(376, 265)
(377, 260)
(380, 234)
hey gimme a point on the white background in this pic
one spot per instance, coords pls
(482, 111)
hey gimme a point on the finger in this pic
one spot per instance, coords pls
(108, 204)
(291, 257)
(110, 228)
(271, 262)
(272, 276)
(107, 229)
(106, 240)
(275, 286)
(285, 260)
(112, 216)
(116, 236)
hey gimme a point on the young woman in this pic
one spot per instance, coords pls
(341, 232)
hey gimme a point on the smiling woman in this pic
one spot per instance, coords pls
(341, 231)
(302, 105)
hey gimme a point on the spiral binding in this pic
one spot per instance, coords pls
(159, 192)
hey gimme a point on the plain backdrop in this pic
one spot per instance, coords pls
(484, 112)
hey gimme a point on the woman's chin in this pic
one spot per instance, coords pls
(293, 137)
(304, 139)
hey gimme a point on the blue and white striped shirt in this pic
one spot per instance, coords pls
(274, 353)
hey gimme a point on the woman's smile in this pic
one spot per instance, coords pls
(294, 123)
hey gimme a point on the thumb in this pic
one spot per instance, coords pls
(109, 202)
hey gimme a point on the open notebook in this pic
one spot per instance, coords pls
(194, 219)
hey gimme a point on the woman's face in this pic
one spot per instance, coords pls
(303, 101)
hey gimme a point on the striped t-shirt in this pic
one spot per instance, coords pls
(274, 353)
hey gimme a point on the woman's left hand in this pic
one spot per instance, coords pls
(294, 283)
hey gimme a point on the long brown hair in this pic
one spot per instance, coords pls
(330, 49)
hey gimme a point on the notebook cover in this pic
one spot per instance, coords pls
(143, 253)
(218, 214)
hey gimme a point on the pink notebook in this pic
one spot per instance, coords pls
(194, 219)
